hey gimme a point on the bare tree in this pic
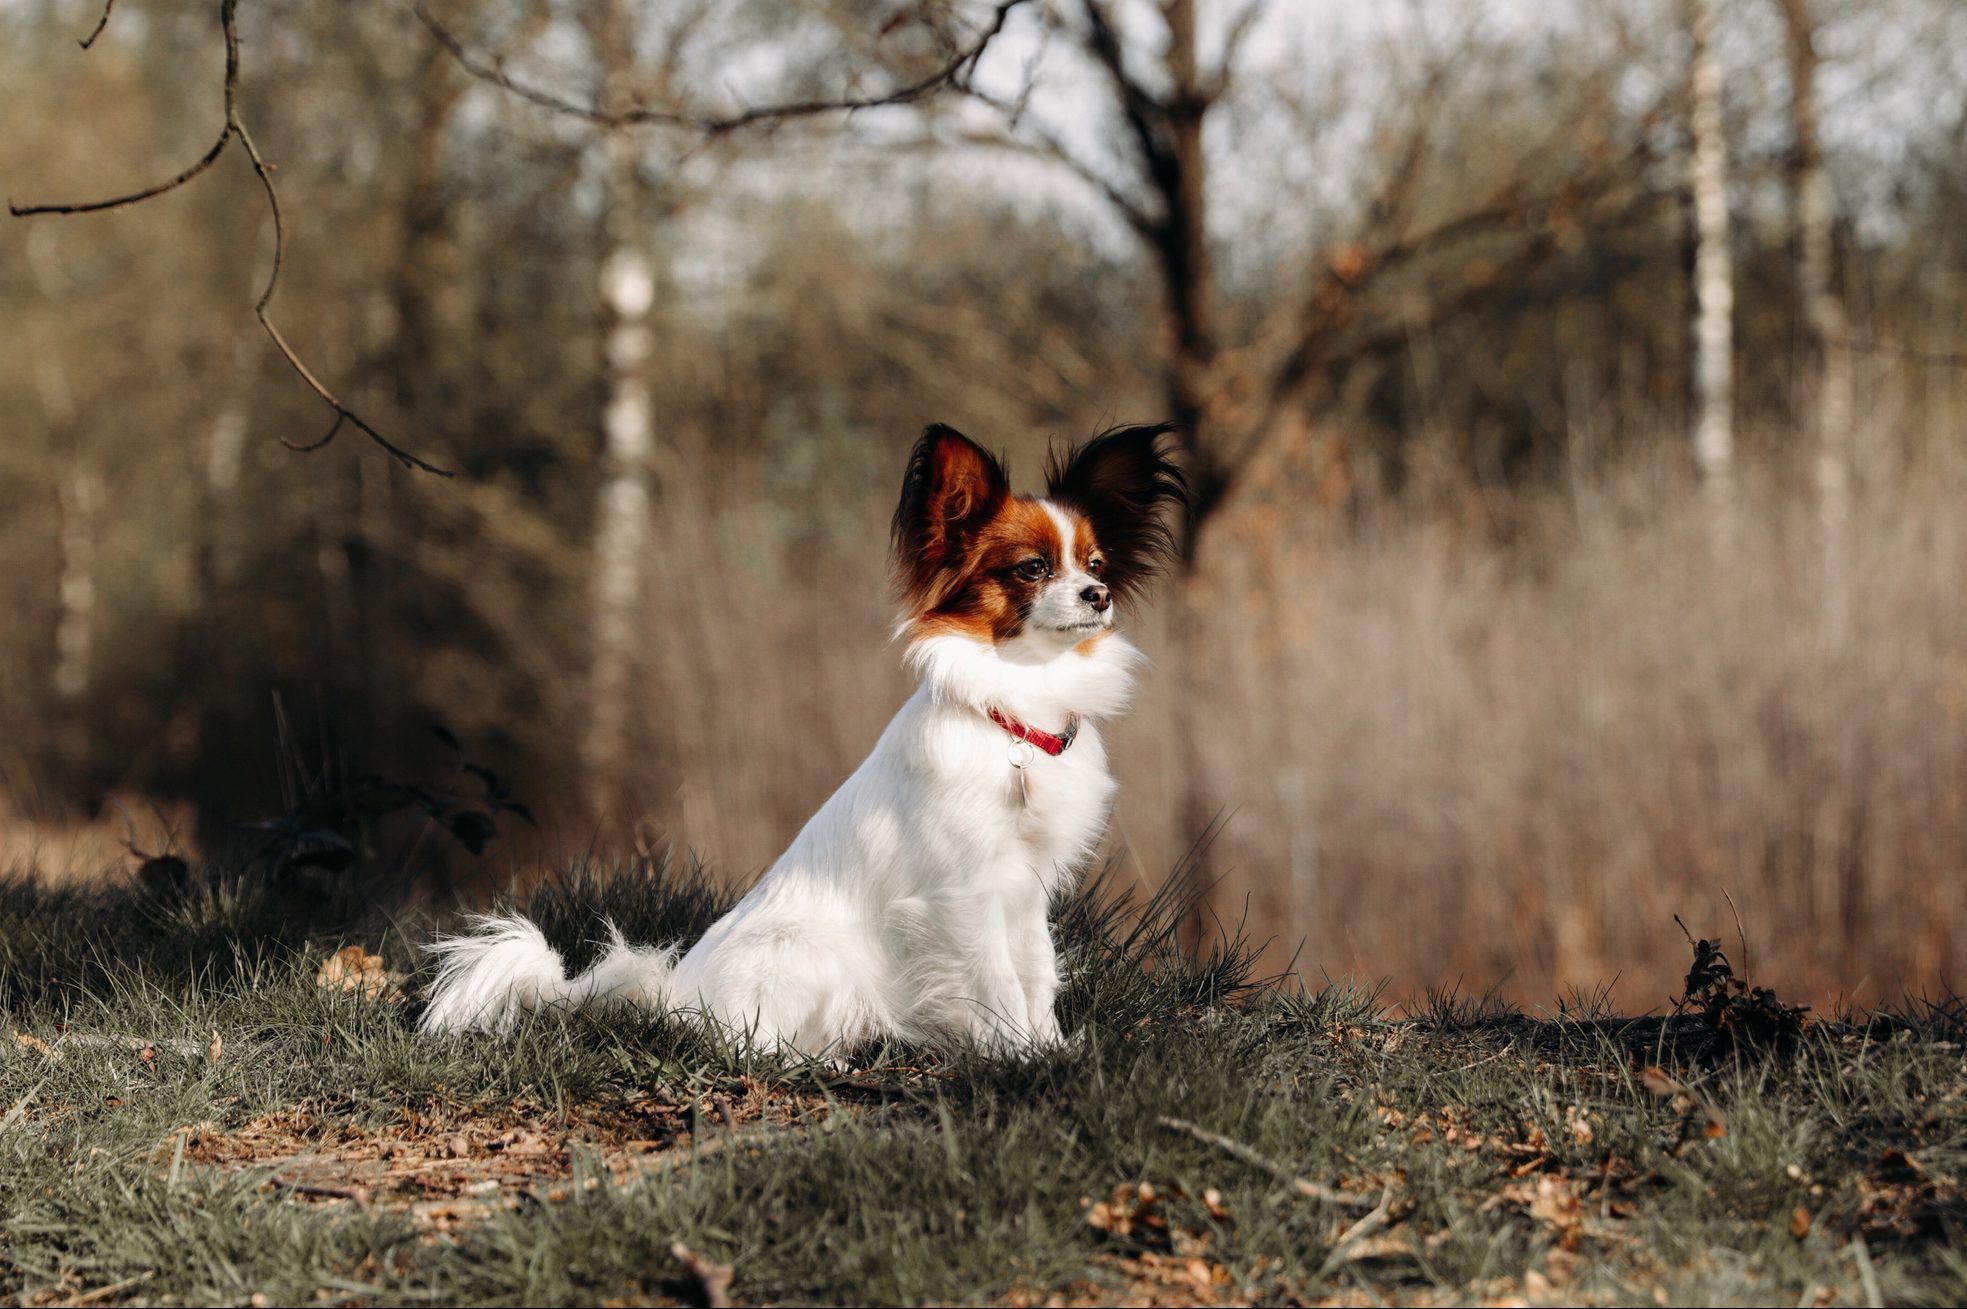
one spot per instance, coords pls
(949, 73)
(630, 97)
(75, 627)
(1714, 272)
(1830, 411)
(1230, 400)
(627, 291)
(81, 502)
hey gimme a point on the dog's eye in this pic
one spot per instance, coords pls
(1096, 565)
(1034, 570)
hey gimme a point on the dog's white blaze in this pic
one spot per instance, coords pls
(1061, 615)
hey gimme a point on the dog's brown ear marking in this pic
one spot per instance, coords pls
(1124, 481)
(952, 488)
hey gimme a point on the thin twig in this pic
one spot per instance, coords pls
(110, 1292)
(1351, 1236)
(952, 74)
(1867, 1275)
(235, 130)
(134, 1044)
(1740, 935)
(205, 161)
(101, 23)
(357, 1196)
(1237, 1150)
(1918, 354)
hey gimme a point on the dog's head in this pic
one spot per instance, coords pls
(1042, 572)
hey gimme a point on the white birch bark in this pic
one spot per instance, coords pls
(1714, 274)
(1831, 408)
(75, 622)
(622, 532)
(225, 450)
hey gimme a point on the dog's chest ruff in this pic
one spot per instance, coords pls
(990, 719)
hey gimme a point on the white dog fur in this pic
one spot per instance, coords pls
(914, 903)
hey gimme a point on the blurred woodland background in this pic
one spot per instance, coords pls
(1577, 394)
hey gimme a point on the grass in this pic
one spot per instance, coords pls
(1206, 1139)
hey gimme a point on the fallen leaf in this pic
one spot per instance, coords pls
(1555, 1203)
(351, 968)
(36, 1044)
(1799, 1222)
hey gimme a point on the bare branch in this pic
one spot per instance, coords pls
(1335, 342)
(1235, 1149)
(235, 130)
(101, 23)
(1239, 30)
(1138, 105)
(952, 75)
(205, 161)
(1895, 349)
(1044, 146)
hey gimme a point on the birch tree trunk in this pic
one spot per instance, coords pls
(225, 450)
(75, 621)
(1830, 416)
(622, 532)
(1714, 274)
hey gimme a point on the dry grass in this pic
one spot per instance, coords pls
(63, 847)
(1456, 760)
(1472, 738)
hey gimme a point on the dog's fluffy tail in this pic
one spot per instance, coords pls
(503, 969)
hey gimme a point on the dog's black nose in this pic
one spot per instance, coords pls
(1097, 596)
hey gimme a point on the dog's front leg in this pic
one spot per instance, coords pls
(1038, 972)
(999, 1013)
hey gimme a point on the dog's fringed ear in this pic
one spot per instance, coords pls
(952, 488)
(1124, 481)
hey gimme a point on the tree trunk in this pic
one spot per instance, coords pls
(75, 623)
(1187, 272)
(1181, 246)
(371, 513)
(1714, 274)
(225, 450)
(622, 534)
(1830, 416)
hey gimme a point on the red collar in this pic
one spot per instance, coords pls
(1050, 744)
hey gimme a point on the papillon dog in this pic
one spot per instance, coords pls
(914, 904)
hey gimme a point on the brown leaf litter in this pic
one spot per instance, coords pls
(448, 1165)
